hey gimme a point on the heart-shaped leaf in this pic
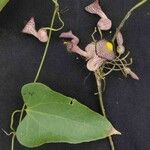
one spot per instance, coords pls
(52, 117)
(3, 3)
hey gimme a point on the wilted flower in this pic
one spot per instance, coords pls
(30, 29)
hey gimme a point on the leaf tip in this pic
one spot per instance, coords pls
(113, 131)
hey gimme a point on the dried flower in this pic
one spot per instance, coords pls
(95, 53)
(104, 23)
(131, 73)
(30, 29)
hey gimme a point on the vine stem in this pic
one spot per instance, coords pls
(56, 11)
(129, 13)
(99, 88)
(47, 45)
(44, 55)
(12, 141)
(43, 58)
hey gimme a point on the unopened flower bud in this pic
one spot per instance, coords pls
(120, 49)
(131, 73)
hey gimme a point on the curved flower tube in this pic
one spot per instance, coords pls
(104, 23)
(95, 53)
(30, 29)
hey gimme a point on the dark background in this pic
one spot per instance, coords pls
(127, 101)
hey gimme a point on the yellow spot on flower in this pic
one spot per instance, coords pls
(109, 46)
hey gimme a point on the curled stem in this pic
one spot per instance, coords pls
(99, 87)
(57, 29)
(47, 45)
(129, 13)
(12, 119)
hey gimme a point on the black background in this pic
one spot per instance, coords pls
(127, 101)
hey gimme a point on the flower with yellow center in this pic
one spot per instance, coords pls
(109, 46)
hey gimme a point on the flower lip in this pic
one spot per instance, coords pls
(104, 24)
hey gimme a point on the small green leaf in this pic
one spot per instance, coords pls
(3, 3)
(52, 117)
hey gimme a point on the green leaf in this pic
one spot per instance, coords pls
(52, 117)
(3, 3)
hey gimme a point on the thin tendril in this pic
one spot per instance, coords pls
(12, 119)
(100, 32)
(112, 69)
(93, 38)
(108, 68)
(47, 45)
(129, 13)
(55, 30)
(126, 55)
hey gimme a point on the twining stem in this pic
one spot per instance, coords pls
(51, 29)
(99, 87)
(129, 13)
(44, 56)
(47, 45)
